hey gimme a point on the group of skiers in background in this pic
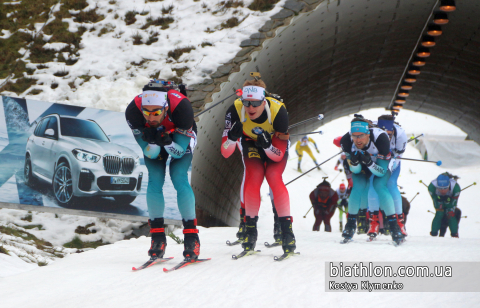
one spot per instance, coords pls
(374, 216)
(257, 124)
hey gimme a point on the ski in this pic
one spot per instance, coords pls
(245, 253)
(151, 262)
(234, 243)
(185, 263)
(398, 243)
(371, 238)
(346, 240)
(276, 244)
(285, 256)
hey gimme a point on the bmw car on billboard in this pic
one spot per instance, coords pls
(73, 158)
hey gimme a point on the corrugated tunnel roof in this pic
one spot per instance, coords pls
(341, 58)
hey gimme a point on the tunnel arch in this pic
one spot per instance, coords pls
(343, 57)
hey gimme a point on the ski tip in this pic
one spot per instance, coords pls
(165, 270)
(134, 268)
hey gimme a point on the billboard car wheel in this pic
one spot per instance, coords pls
(63, 184)
(124, 199)
(27, 173)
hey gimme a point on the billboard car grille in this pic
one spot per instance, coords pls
(114, 164)
(127, 165)
(111, 164)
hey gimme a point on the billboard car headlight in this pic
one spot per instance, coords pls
(85, 156)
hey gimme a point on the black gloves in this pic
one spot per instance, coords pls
(355, 158)
(148, 134)
(182, 89)
(236, 131)
(264, 140)
(365, 158)
(156, 136)
(163, 138)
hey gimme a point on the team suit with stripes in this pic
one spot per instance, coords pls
(445, 205)
(262, 163)
(175, 136)
(179, 119)
(373, 158)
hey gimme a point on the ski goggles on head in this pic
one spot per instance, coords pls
(251, 103)
(152, 113)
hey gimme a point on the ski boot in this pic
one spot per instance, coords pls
(316, 164)
(374, 226)
(454, 235)
(277, 232)
(159, 240)
(362, 222)
(386, 229)
(298, 168)
(396, 234)
(241, 227)
(191, 241)
(350, 227)
(288, 239)
(250, 239)
(341, 226)
(443, 230)
(328, 228)
(434, 233)
(401, 225)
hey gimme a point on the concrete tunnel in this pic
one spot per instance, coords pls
(343, 57)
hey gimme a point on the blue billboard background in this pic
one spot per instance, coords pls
(18, 120)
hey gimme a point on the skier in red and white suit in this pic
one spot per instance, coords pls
(258, 125)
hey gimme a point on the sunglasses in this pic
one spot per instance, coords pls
(152, 113)
(358, 136)
(252, 103)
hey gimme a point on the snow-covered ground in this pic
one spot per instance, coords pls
(120, 69)
(103, 277)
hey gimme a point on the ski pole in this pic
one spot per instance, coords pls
(313, 168)
(320, 132)
(319, 117)
(438, 163)
(423, 183)
(411, 139)
(305, 216)
(474, 183)
(335, 177)
(414, 197)
(238, 93)
(430, 212)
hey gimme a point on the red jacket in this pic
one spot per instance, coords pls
(328, 204)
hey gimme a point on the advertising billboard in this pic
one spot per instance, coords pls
(71, 157)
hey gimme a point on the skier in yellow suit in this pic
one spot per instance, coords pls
(302, 146)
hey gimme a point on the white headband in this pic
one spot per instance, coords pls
(253, 92)
(154, 98)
